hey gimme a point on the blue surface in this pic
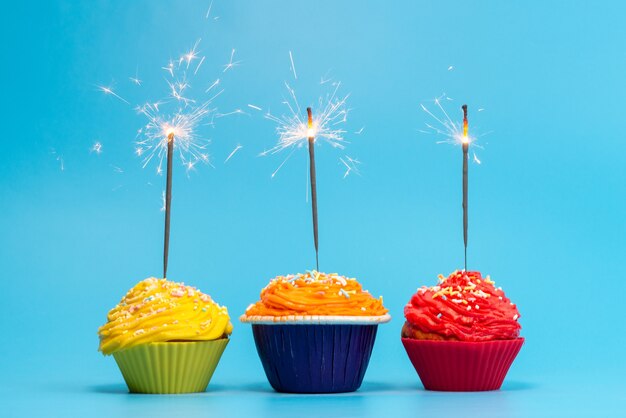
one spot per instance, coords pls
(547, 203)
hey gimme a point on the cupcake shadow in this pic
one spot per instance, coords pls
(122, 389)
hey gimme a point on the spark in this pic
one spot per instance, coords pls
(481, 109)
(237, 148)
(325, 78)
(191, 55)
(136, 79)
(215, 84)
(360, 131)
(198, 66)
(109, 90)
(58, 158)
(251, 106)
(190, 165)
(293, 66)
(177, 90)
(351, 165)
(169, 68)
(208, 12)
(117, 169)
(231, 63)
(163, 201)
(234, 112)
(450, 68)
(476, 160)
(283, 163)
(96, 147)
(293, 130)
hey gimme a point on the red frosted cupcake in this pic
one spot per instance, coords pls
(462, 334)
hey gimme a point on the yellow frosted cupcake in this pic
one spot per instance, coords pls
(166, 337)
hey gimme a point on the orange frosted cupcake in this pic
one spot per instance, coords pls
(314, 332)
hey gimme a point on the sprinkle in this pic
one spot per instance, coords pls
(439, 315)
(477, 307)
(515, 317)
(343, 292)
(139, 332)
(178, 293)
(203, 309)
(363, 309)
(457, 300)
(469, 308)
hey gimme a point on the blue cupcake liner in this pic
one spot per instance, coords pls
(329, 358)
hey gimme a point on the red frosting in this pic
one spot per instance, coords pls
(464, 307)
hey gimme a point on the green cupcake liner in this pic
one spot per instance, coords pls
(170, 367)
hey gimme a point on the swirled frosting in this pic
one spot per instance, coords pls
(158, 310)
(315, 293)
(462, 307)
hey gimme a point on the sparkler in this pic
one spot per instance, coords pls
(162, 134)
(311, 139)
(166, 134)
(465, 147)
(456, 133)
(294, 132)
(168, 200)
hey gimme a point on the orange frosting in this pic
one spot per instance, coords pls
(315, 293)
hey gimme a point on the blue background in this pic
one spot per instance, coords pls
(546, 205)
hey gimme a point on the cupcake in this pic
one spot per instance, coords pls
(315, 332)
(166, 337)
(462, 334)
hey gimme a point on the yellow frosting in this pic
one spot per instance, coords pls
(158, 310)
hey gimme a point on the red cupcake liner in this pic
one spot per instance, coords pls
(458, 366)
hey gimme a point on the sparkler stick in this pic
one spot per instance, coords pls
(311, 138)
(465, 146)
(168, 200)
